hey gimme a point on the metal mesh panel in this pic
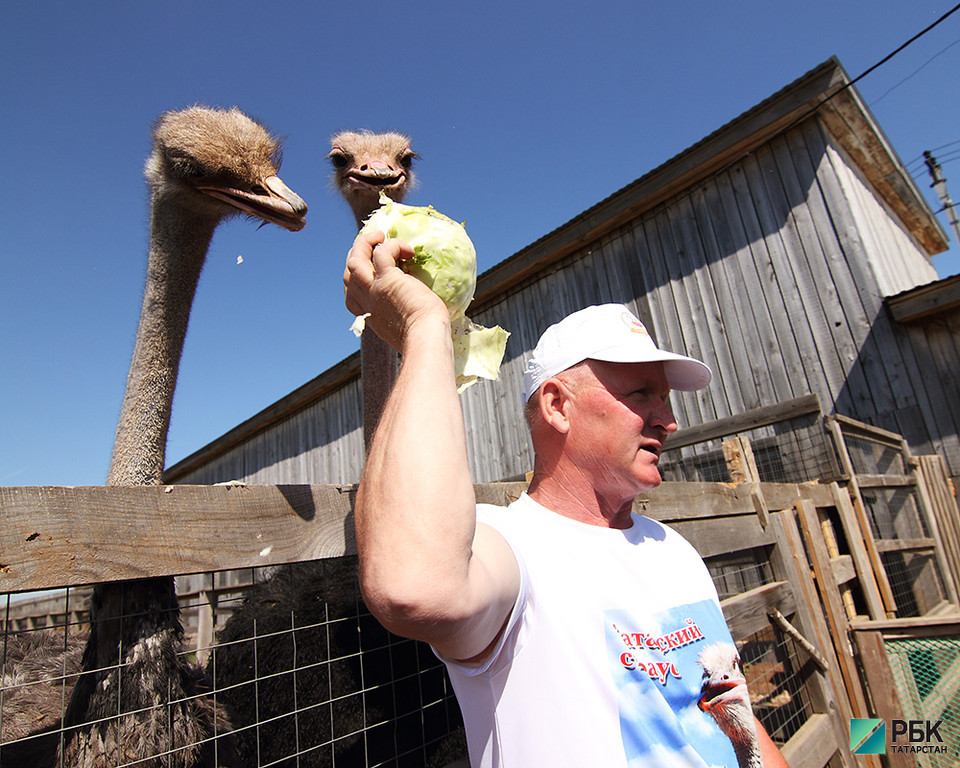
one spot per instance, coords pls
(893, 513)
(300, 675)
(872, 455)
(926, 674)
(792, 451)
(776, 676)
(914, 575)
(740, 572)
(915, 580)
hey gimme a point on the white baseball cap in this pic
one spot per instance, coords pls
(612, 333)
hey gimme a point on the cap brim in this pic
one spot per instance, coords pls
(684, 374)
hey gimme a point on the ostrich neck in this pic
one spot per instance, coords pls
(179, 238)
(748, 755)
(743, 735)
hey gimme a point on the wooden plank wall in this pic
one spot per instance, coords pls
(762, 272)
(934, 342)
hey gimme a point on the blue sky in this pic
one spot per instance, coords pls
(525, 114)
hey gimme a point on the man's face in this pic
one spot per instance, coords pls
(619, 420)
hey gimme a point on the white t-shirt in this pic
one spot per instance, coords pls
(598, 664)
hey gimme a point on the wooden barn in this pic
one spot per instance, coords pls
(790, 249)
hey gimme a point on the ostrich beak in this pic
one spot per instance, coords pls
(718, 694)
(273, 202)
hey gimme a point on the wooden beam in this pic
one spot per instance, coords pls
(832, 601)
(790, 563)
(859, 553)
(883, 693)
(833, 424)
(927, 300)
(748, 612)
(741, 422)
(912, 627)
(56, 536)
(675, 501)
(62, 536)
(813, 745)
(886, 481)
(721, 535)
(905, 545)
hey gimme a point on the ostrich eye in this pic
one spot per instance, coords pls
(406, 159)
(183, 163)
(338, 159)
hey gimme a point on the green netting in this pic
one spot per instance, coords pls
(926, 674)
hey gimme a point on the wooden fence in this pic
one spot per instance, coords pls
(808, 573)
(750, 535)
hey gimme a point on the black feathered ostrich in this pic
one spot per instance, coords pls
(137, 699)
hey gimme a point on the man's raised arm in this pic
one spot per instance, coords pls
(426, 570)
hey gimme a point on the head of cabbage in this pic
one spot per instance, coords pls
(446, 262)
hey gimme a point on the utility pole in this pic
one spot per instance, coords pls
(940, 185)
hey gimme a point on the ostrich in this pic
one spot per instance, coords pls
(724, 696)
(305, 619)
(137, 697)
(32, 663)
(366, 164)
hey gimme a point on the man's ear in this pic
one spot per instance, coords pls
(554, 405)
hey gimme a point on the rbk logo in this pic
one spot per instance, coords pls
(868, 736)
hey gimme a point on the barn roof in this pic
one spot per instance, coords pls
(825, 90)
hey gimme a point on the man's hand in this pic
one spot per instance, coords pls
(374, 283)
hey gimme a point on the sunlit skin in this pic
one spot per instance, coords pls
(599, 435)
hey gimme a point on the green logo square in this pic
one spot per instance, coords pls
(868, 736)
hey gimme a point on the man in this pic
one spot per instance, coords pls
(573, 629)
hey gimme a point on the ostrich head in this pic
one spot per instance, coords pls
(366, 164)
(219, 162)
(723, 680)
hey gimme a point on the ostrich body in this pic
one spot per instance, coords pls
(724, 696)
(206, 165)
(366, 164)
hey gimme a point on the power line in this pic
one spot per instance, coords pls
(847, 85)
(880, 63)
(783, 131)
(916, 71)
(917, 36)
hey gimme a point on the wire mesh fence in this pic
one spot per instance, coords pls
(300, 674)
(926, 674)
(791, 451)
(776, 674)
(806, 448)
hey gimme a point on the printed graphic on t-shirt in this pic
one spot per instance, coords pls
(681, 693)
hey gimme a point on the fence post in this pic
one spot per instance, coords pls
(206, 609)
